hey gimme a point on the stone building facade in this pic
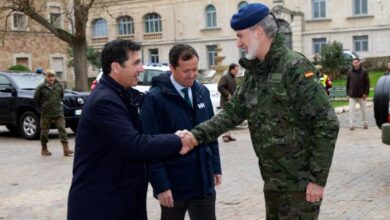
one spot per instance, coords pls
(28, 43)
(360, 25)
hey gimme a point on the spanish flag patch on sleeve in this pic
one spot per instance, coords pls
(309, 74)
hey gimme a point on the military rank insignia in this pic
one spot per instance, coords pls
(309, 74)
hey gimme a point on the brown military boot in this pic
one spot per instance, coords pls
(45, 151)
(67, 151)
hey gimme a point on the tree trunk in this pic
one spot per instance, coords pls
(80, 64)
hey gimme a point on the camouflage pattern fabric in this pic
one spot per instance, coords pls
(290, 206)
(292, 125)
(45, 127)
(49, 99)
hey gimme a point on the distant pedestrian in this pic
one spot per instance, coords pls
(227, 86)
(358, 88)
(388, 69)
(48, 96)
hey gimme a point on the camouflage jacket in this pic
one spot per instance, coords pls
(49, 99)
(292, 125)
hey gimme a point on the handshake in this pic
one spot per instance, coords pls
(188, 141)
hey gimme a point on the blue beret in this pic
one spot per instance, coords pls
(248, 16)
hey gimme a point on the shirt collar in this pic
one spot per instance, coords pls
(177, 86)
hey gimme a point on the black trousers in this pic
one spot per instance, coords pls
(198, 209)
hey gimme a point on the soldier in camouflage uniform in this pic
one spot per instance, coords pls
(292, 125)
(48, 96)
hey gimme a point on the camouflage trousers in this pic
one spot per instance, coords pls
(290, 205)
(59, 123)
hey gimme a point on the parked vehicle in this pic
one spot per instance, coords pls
(382, 107)
(349, 56)
(18, 111)
(150, 71)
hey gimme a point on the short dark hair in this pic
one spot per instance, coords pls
(181, 52)
(232, 66)
(117, 51)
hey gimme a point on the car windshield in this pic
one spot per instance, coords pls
(28, 81)
(355, 54)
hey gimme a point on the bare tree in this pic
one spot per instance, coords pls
(77, 16)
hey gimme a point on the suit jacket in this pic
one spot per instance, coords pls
(189, 176)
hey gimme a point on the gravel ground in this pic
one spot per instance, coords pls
(343, 116)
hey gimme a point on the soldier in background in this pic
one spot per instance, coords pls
(227, 86)
(388, 69)
(293, 127)
(48, 96)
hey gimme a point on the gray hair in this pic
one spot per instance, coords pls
(268, 24)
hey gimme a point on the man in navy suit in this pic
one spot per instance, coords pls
(109, 171)
(176, 101)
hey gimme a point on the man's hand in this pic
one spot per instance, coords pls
(314, 192)
(188, 141)
(217, 179)
(166, 199)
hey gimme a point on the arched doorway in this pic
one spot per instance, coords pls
(285, 28)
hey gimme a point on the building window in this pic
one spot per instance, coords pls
(55, 16)
(153, 55)
(360, 43)
(99, 28)
(211, 16)
(318, 43)
(25, 61)
(319, 7)
(211, 54)
(242, 4)
(153, 23)
(19, 21)
(125, 25)
(57, 64)
(22, 61)
(360, 7)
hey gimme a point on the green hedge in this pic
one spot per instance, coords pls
(376, 63)
(19, 67)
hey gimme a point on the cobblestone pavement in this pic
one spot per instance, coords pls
(33, 187)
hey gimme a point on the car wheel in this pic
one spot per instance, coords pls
(29, 125)
(381, 100)
(13, 129)
(73, 127)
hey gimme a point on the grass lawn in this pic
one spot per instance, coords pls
(339, 103)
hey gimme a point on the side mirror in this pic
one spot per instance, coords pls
(6, 88)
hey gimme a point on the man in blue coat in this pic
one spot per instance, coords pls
(176, 101)
(109, 171)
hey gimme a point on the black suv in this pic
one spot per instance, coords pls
(18, 111)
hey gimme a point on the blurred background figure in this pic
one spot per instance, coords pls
(388, 69)
(227, 86)
(326, 82)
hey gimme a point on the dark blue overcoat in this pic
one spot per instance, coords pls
(109, 173)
